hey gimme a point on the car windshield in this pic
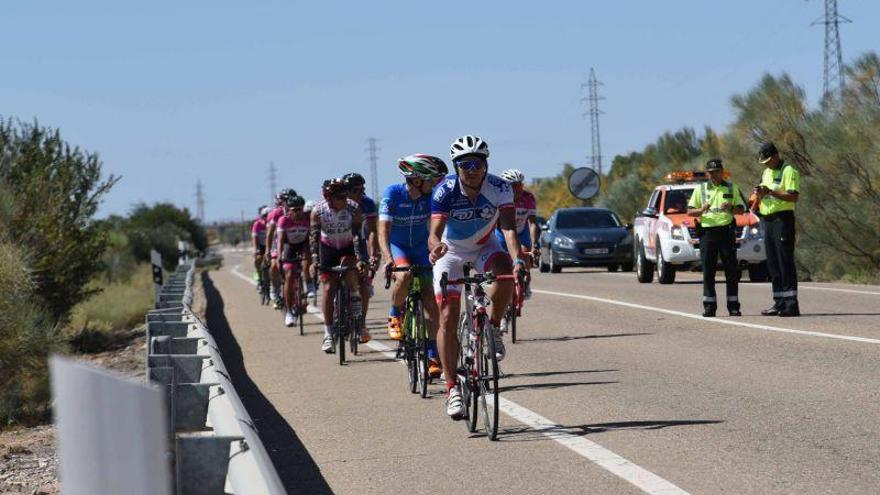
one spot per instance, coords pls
(677, 200)
(586, 219)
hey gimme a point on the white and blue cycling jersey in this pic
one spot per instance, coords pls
(469, 225)
(409, 217)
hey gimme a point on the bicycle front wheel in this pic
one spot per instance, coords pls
(342, 321)
(488, 384)
(301, 308)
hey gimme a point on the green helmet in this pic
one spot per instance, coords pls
(421, 166)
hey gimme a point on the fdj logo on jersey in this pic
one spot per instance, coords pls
(463, 215)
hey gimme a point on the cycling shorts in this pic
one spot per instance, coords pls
(414, 255)
(453, 264)
(330, 257)
(294, 254)
(525, 240)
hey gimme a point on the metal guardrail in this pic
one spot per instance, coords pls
(217, 448)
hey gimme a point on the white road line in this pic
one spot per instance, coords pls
(835, 289)
(707, 320)
(800, 286)
(619, 466)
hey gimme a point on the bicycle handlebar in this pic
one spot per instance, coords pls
(478, 279)
(415, 269)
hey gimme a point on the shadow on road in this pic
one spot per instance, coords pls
(528, 434)
(551, 373)
(580, 337)
(295, 466)
(528, 386)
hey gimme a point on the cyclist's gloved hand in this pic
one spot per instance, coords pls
(438, 252)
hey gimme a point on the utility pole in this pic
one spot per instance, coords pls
(833, 78)
(374, 179)
(592, 99)
(273, 182)
(200, 202)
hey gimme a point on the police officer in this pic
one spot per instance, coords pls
(778, 193)
(715, 203)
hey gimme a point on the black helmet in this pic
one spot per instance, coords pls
(295, 202)
(353, 179)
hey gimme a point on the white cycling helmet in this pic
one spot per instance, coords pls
(264, 211)
(513, 176)
(308, 206)
(469, 145)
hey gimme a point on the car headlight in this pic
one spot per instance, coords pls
(563, 242)
(677, 233)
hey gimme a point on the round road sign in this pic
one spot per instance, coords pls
(583, 183)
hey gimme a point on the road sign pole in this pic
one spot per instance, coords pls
(156, 261)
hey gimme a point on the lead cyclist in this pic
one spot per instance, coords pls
(464, 211)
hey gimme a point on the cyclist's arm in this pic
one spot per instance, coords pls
(372, 237)
(507, 220)
(270, 235)
(438, 225)
(255, 241)
(314, 235)
(532, 221)
(384, 235)
(356, 228)
(281, 239)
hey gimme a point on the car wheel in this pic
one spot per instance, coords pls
(665, 270)
(613, 267)
(554, 267)
(644, 268)
(758, 272)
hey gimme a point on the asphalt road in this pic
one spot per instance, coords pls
(616, 387)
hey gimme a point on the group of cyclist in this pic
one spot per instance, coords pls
(432, 219)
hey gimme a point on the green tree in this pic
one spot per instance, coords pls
(160, 226)
(53, 191)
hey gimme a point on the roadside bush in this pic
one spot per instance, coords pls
(26, 338)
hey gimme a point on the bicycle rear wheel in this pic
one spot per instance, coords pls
(488, 382)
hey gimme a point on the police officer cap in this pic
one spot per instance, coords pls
(714, 164)
(766, 152)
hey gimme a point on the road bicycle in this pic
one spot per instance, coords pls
(478, 372)
(346, 323)
(413, 349)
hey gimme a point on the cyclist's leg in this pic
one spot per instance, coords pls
(329, 257)
(275, 271)
(399, 291)
(493, 258)
(525, 240)
(290, 285)
(447, 333)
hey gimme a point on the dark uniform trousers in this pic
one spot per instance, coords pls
(716, 241)
(779, 236)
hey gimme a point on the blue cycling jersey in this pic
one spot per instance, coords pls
(409, 217)
(470, 223)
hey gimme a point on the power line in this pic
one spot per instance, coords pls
(273, 182)
(592, 99)
(374, 179)
(833, 76)
(200, 202)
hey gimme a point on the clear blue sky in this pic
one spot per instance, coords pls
(171, 92)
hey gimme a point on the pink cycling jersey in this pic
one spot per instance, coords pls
(336, 225)
(275, 215)
(526, 206)
(258, 231)
(294, 231)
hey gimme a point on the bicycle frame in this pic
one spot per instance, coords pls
(346, 325)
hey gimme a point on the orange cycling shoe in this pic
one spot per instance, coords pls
(395, 330)
(434, 369)
(365, 336)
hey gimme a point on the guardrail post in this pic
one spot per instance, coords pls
(202, 463)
